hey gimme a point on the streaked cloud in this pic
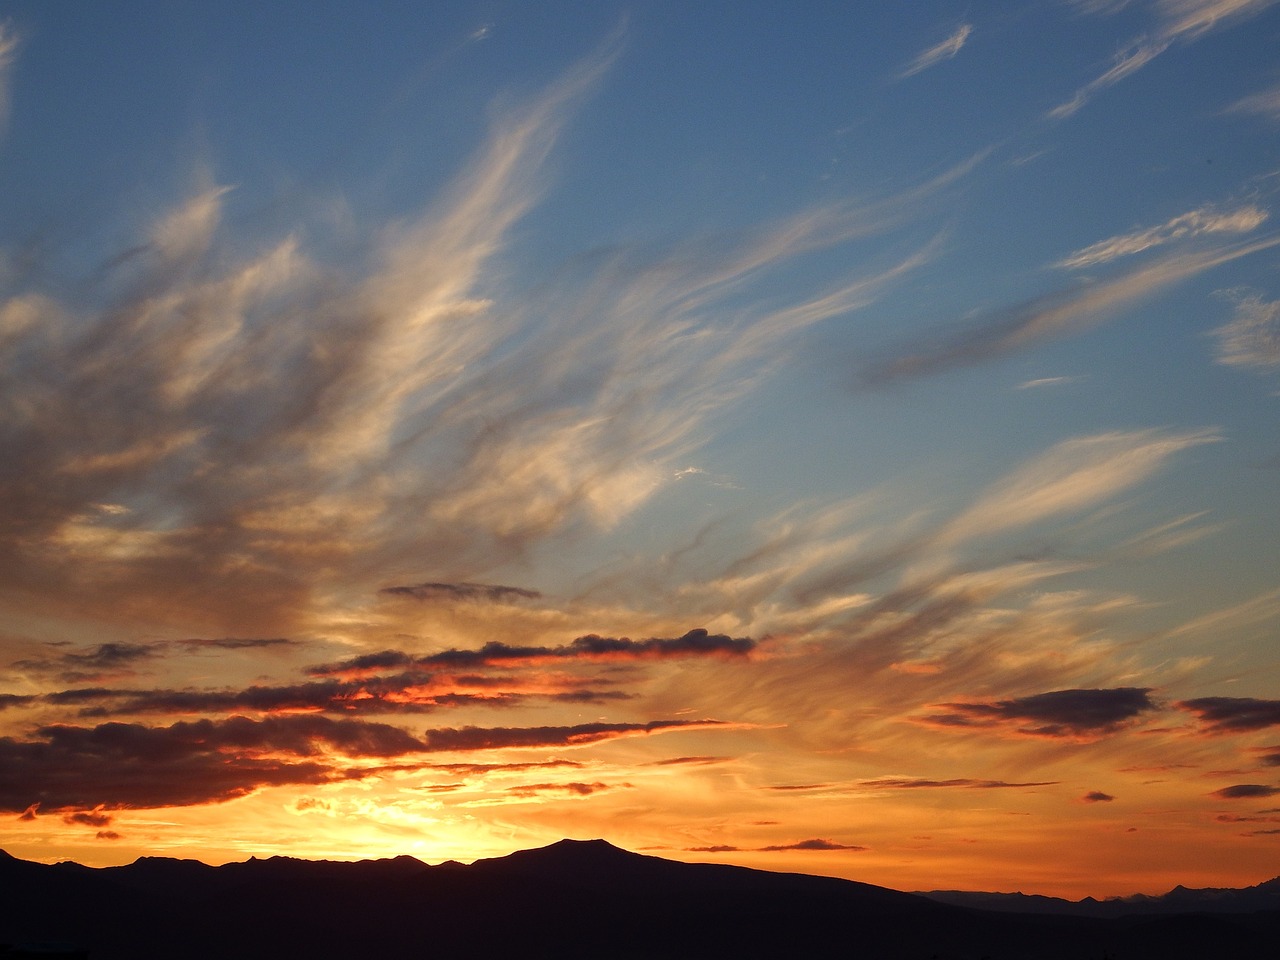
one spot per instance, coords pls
(395, 362)
(1191, 224)
(1071, 476)
(1063, 313)
(476, 592)
(1265, 103)
(1252, 338)
(1046, 382)
(945, 50)
(8, 52)
(1177, 22)
(104, 660)
(1126, 63)
(915, 783)
(1248, 613)
(467, 739)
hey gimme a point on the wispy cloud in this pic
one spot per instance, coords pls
(945, 50)
(8, 52)
(233, 437)
(1008, 331)
(1046, 382)
(1071, 476)
(1265, 103)
(1252, 338)
(1191, 224)
(1177, 22)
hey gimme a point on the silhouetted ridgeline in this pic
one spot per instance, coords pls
(570, 899)
(1265, 896)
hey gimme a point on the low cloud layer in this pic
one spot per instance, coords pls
(474, 592)
(695, 643)
(125, 765)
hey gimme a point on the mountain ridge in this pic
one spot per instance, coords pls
(572, 898)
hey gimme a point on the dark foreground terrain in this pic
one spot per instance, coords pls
(571, 899)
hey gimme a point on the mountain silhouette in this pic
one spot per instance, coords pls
(572, 899)
(1262, 897)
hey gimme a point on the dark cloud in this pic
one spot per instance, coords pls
(501, 738)
(1233, 818)
(1059, 713)
(90, 818)
(117, 765)
(107, 835)
(901, 783)
(59, 776)
(30, 812)
(408, 692)
(718, 848)
(469, 769)
(102, 660)
(110, 655)
(1245, 791)
(575, 788)
(589, 696)
(1230, 714)
(121, 765)
(8, 700)
(691, 761)
(695, 643)
(1271, 756)
(382, 660)
(1097, 796)
(471, 592)
(238, 643)
(804, 786)
(813, 845)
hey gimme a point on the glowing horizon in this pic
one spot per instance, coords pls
(845, 449)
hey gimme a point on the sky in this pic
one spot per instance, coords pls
(832, 437)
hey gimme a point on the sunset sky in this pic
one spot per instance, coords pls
(830, 437)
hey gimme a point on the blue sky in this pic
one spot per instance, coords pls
(892, 387)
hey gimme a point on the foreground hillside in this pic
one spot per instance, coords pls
(570, 899)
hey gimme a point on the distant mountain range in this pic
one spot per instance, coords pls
(576, 899)
(1264, 896)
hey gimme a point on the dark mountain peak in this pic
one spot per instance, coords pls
(581, 849)
(577, 856)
